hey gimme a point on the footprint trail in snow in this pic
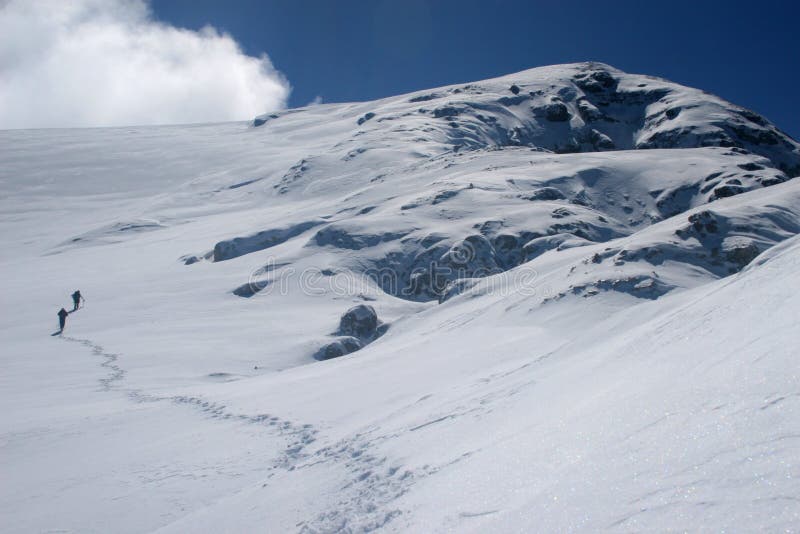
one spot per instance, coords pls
(372, 482)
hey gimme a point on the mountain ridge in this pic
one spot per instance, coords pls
(571, 93)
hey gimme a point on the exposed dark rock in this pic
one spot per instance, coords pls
(577, 228)
(569, 146)
(258, 121)
(560, 213)
(446, 111)
(589, 112)
(360, 321)
(675, 201)
(652, 254)
(538, 246)
(756, 136)
(358, 327)
(365, 118)
(250, 289)
(339, 237)
(426, 284)
(545, 193)
(514, 89)
(339, 347)
(727, 190)
(510, 101)
(425, 98)
(640, 286)
(754, 117)
(431, 271)
(701, 224)
(508, 249)
(581, 198)
(444, 195)
(601, 141)
(239, 246)
(472, 255)
(742, 253)
(431, 239)
(595, 82)
(556, 112)
(489, 227)
(791, 171)
(294, 174)
(768, 181)
(751, 166)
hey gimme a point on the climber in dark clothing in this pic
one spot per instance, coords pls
(62, 318)
(76, 299)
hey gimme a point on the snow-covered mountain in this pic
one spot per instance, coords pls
(560, 300)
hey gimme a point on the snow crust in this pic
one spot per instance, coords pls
(569, 295)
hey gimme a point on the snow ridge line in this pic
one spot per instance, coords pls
(373, 482)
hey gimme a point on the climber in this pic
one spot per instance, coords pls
(62, 318)
(76, 299)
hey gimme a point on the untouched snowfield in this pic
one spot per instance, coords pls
(586, 292)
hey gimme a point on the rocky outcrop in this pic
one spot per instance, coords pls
(239, 246)
(339, 347)
(360, 321)
(358, 327)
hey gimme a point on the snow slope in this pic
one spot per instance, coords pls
(583, 282)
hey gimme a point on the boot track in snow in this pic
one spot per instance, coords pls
(373, 482)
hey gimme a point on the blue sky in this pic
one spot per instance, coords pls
(348, 50)
(81, 63)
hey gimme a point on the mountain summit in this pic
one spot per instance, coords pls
(583, 107)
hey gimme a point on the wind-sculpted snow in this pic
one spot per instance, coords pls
(430, 158)
(585, 107)
(708, 242)
(418, 245)
(471, 308)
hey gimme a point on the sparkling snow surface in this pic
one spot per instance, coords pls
(612, 343)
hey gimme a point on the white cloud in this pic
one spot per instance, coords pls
(108, 62)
